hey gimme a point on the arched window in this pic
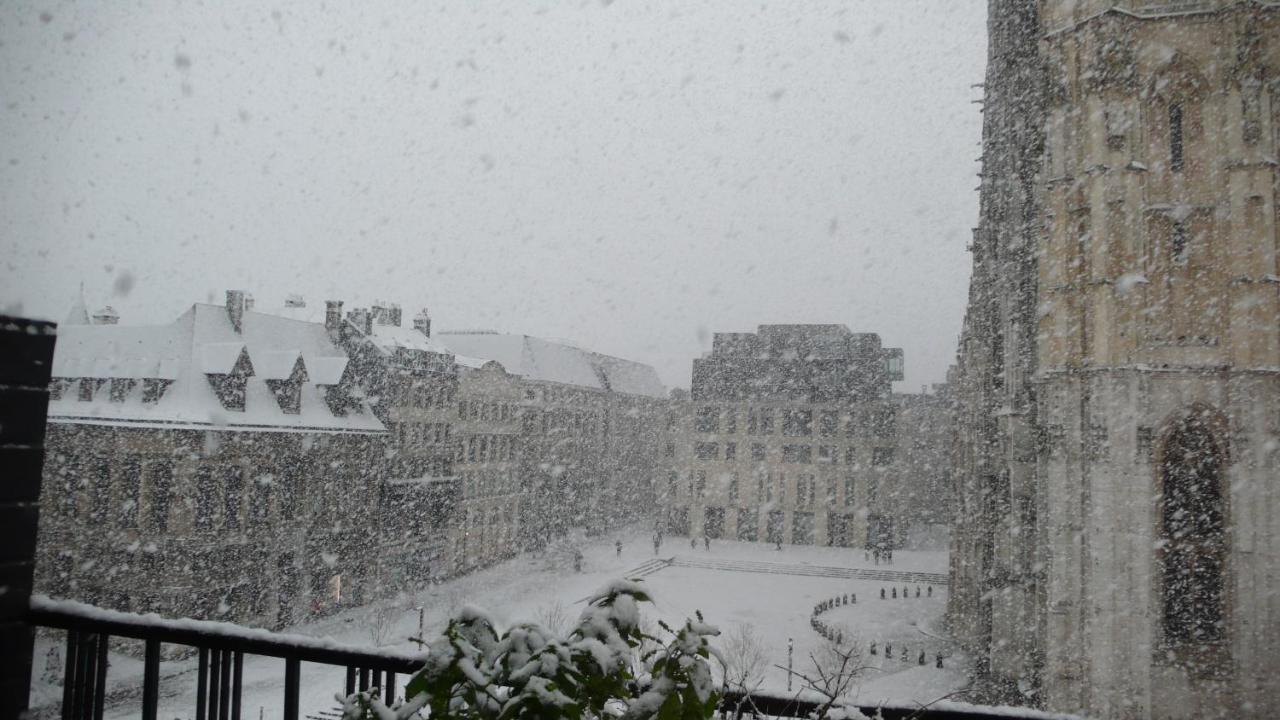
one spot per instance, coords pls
(1192, 516)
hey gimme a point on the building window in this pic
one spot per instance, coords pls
(131, 491)
(159, 489)
(670, 450)
(206, 494)
(706, 450)
(828, 423)
(766, 422)
(747, 525)
(1193, 530)
(700, 479)
(731, 421)
(850, 456)
(260, 502)
(753, 422)
(881, 456)
(730, 451)
(827, 454)
(707, 420)
(1178, 242)
(797, 423)
(733, 490)
(849, 487)
(802, 454)
(1176, 163)
(233, 481)
(758, 452)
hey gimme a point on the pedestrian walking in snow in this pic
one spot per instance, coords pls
(930, 591)
(706, 542)
(657, 543)
(693, 543)
(577, 561)
(618, 544)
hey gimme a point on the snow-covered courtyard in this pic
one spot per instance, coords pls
(774, 591)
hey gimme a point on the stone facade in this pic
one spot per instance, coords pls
(411, 381)
(487, 456)
(590, 436)
(788, 434)
(1120, 560)
(217, 467)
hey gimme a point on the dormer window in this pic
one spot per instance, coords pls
(58, 388)
(89, 387)
(288, 390)
(153, 389)
(120, 389)
(230, 389)
(227, 367)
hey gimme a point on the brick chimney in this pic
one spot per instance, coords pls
(395, 314)
(362, 319)
(235, 309)
(332, 315)
(422, 322)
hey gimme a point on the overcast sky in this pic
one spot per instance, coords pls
(630, 175)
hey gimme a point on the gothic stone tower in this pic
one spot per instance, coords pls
(1158, 358)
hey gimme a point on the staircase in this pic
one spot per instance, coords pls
(777, 568)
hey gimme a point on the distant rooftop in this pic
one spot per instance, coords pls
(556, 361)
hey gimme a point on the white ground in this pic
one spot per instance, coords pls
(531, 588)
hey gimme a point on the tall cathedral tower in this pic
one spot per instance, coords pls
(1154, 586)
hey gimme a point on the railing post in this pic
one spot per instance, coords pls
(151, 680)
(202, 685)
(224, 689)
(26, 360)
(292, 681)
(237, 670)
(100, 682)
(69, 676)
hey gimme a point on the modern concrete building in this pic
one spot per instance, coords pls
(789, 433)
(1119, 438)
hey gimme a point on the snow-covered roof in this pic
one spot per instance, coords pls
(200, 342)
(553, 361)
(392, 337)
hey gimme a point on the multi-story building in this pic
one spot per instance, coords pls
(219, 466)
(487, 461)
(916, 492)
(1119, 437)
(790, 434)
(591, 432)
(411, 382)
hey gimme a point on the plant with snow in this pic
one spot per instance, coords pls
(382, 621)
(743, 657)
(606, 666)
(837, 666)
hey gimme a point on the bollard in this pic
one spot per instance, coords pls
(917, 591)
(855, 598)
(881, 593)
(930, 591)
(895, 593)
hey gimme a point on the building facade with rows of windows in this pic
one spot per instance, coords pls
(1119, 425)
(221, 466)
(787, 437)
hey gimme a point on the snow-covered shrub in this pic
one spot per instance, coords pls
(607, 666)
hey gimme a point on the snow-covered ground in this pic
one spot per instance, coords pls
(773, 590)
